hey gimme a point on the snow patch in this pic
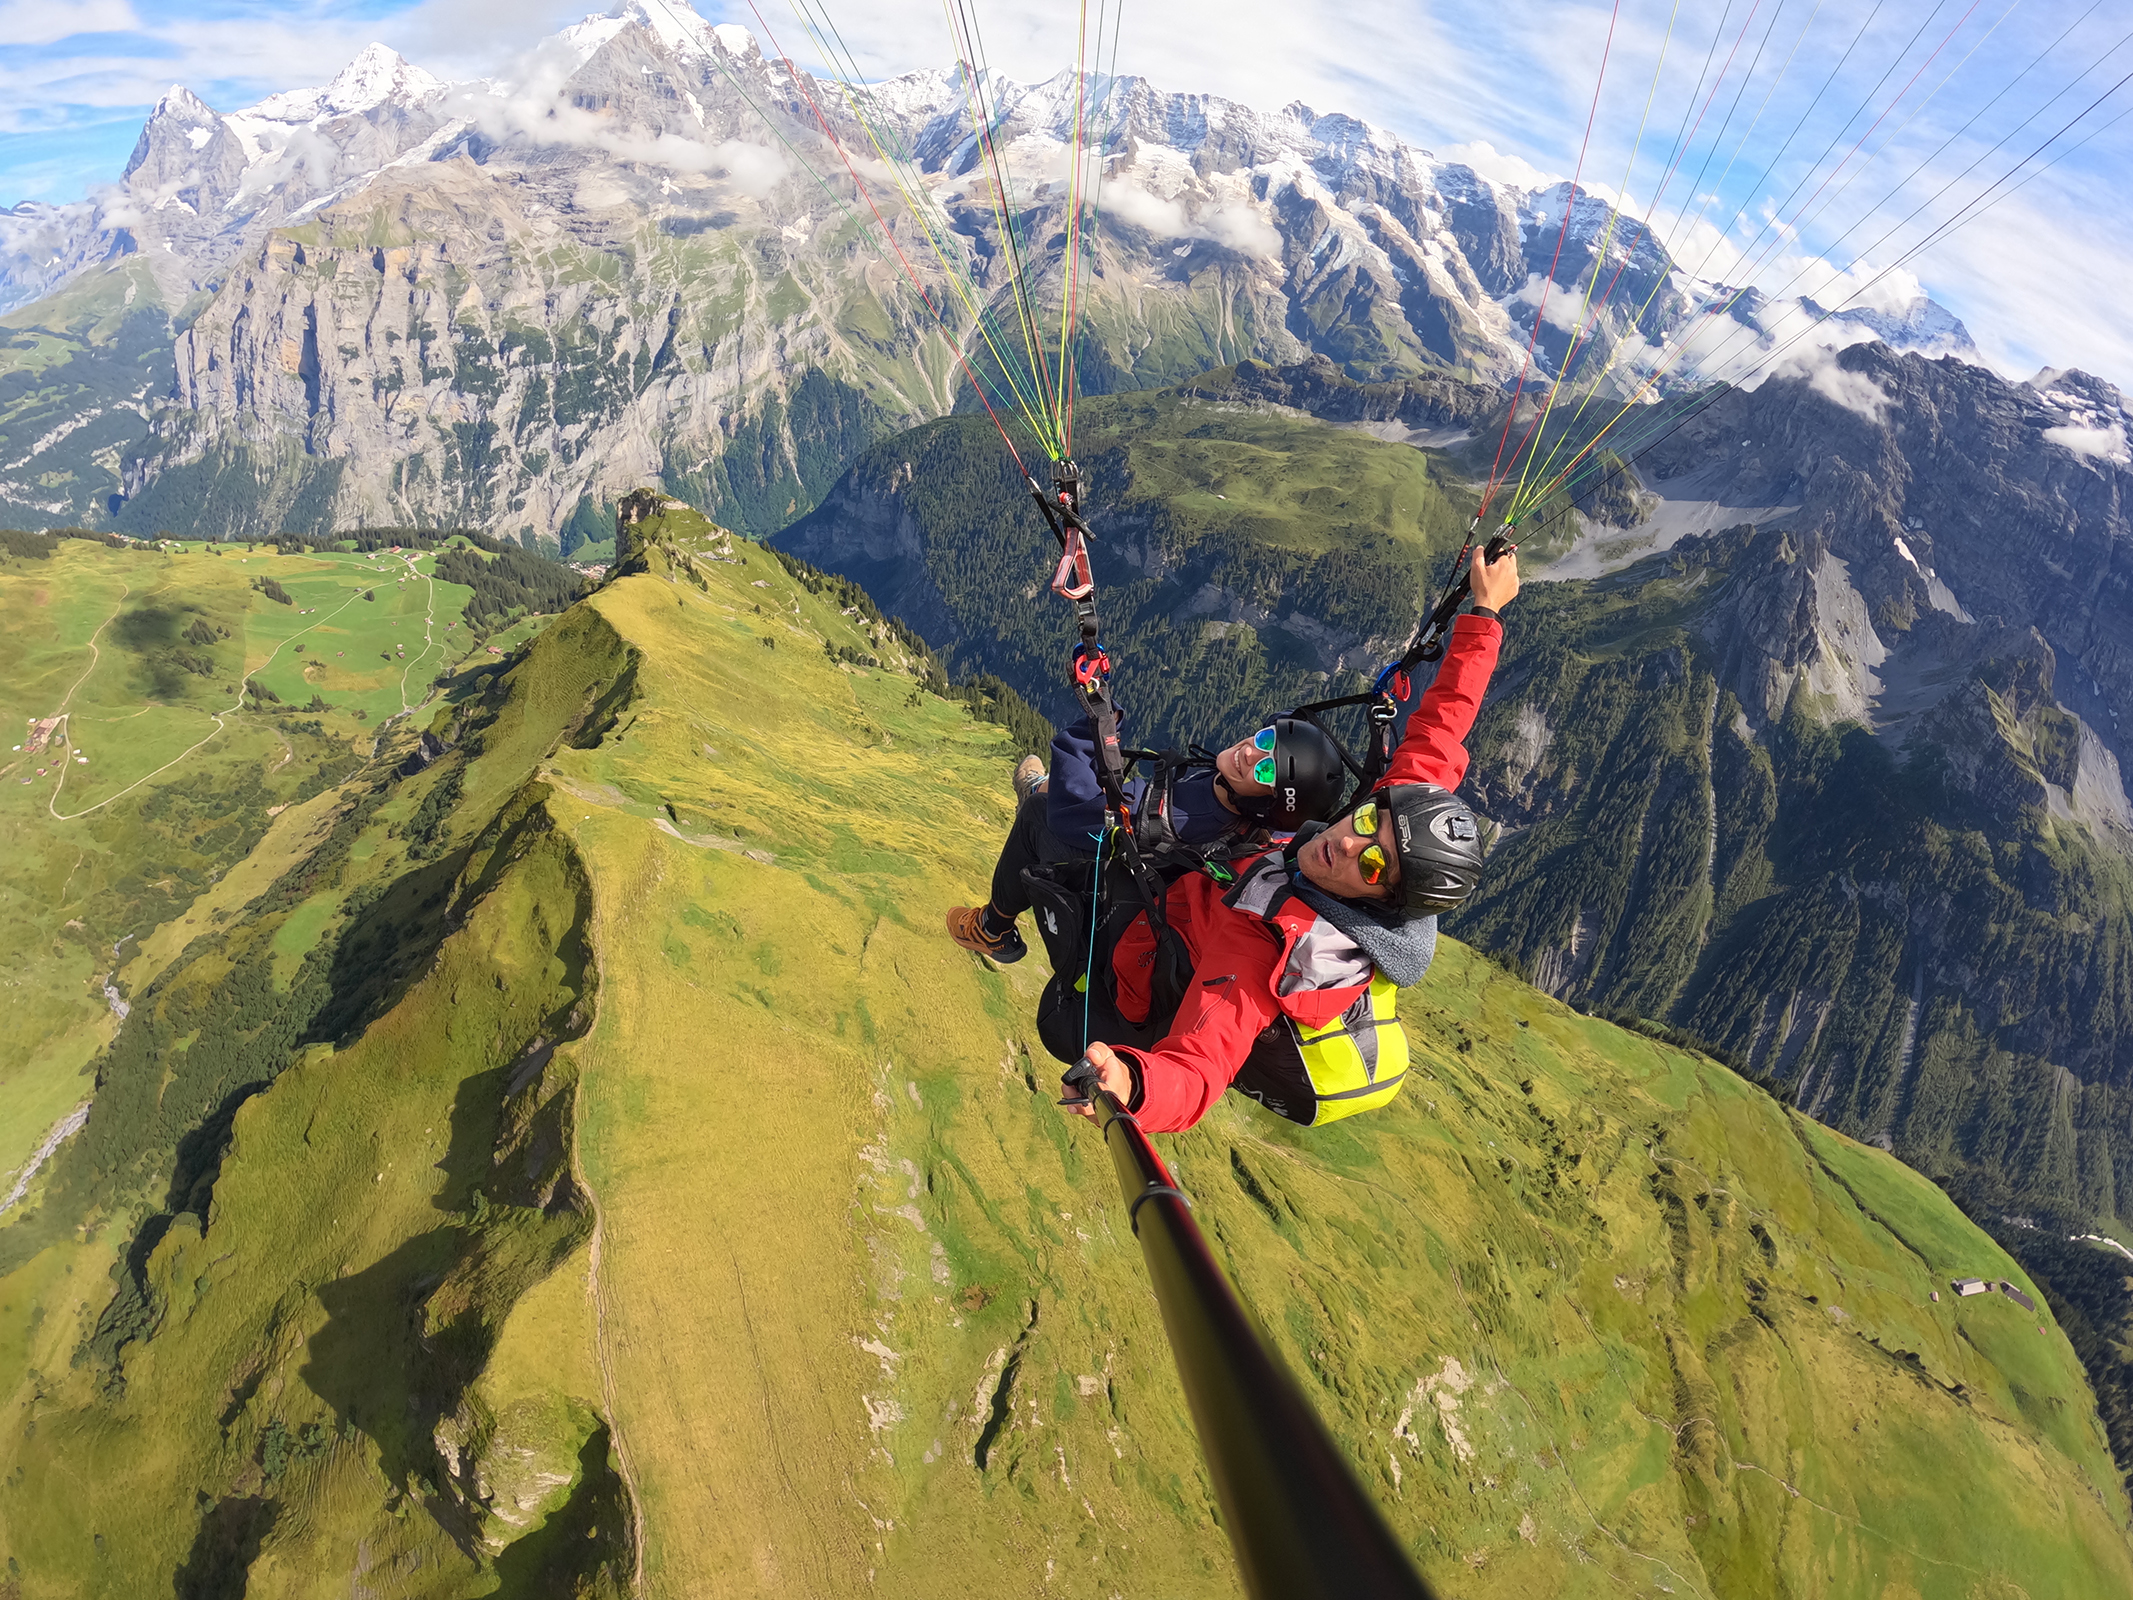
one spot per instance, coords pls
(378, 75)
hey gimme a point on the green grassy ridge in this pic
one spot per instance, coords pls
(867, 1317)
(451, 958)
(990, 1171)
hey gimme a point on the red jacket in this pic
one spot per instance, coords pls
(1242, 963)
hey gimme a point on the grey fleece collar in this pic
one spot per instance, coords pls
(1400, 946)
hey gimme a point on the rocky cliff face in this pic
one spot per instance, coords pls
(654, 203)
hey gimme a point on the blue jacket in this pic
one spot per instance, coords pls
(1077, 797)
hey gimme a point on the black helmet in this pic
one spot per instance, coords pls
(1439, 844)
(1309, 776)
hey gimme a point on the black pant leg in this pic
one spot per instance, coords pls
(1030, 843)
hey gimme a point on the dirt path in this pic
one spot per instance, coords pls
(275, 654)
(95, 655)
(69, 816)
(429, 639)
(220, 717)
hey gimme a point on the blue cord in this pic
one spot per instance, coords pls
(1088, 970)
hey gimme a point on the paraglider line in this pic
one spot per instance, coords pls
(909, 272)
(1541, 311)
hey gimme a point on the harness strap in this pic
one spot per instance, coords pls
(1074, 581)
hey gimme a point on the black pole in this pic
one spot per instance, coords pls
(1300, 1524)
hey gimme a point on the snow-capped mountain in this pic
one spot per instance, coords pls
(617, 200)
(202, 185)
(2094, 420)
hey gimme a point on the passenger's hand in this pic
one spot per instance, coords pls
(1111, 1072)
(1495, 582)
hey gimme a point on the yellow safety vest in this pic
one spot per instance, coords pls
(1358, 1061)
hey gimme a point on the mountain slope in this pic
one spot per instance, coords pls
(620, 1180)
(1247, 559)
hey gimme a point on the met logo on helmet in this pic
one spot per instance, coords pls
(1454, 827)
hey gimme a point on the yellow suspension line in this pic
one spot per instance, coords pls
(1599, 262)
(1029, 402)
(1063, 403)
(981, 127)
(1591, 394)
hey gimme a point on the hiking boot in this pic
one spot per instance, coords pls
(966, 926)
(1030, 778)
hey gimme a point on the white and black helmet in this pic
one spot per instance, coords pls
(1439, 844)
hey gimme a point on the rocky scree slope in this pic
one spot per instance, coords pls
(510, 302)
(630, 1191)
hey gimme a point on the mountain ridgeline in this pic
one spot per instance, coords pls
(566, 1159)
(393, 299)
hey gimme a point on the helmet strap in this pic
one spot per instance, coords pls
(1256, 807)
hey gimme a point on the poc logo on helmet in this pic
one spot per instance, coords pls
(1288, 800)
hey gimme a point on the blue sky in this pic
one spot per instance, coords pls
(1887, 102)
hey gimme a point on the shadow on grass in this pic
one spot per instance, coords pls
(583, 1550)
(225, 1548)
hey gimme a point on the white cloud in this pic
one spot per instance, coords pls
(1497, 166)
(1243, 229)
(2104, 443)
(1817, 363)
(1560, 307)
(531, 105)
(1232, 223)
(1130, 203)
(31, 22)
